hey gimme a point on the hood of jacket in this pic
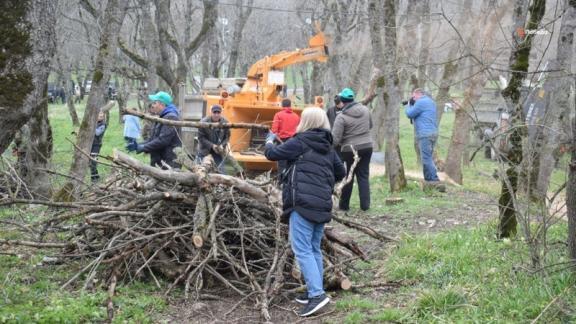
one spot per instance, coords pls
(353, 110)
(318, 139)
(170, 109)
(287, 109)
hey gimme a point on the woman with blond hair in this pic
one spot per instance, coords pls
(313, 167)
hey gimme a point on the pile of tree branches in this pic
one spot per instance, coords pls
(191, 227)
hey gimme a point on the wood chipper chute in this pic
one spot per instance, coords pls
(256, 99)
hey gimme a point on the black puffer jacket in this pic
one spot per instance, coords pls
(313, 169)
(164, 139)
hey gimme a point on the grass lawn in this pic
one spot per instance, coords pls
(452, 275)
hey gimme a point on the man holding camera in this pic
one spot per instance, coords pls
(421, 110)
(214, 141)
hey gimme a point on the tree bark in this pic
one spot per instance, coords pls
(111, 24)
(243, 15)
(460, 134)
(38, 153)
(519, 63)
(559, 107)
(571, 198)
(29, 45)
(475, 86)
(386, 119)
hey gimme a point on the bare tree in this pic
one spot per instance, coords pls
(559, 107)
(170, 47)
(386, 119)
(519, 63)
(474, 86)
(453, 61)
(243, 13)
(110, 23)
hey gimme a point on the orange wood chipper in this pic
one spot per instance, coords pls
(257, 98)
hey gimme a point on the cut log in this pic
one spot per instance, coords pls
(364, 229)
(346, 242)
(390, 201)
(335, 279)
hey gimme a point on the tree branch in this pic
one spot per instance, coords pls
(208, 22)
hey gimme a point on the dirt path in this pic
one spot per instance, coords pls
(465, 208)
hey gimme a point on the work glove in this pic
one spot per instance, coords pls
(219, 149)
(134, 146)
(270, 138)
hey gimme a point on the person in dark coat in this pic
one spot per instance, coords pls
(214, 141)
(313, 167)
(164, 138)
(334, 110)
(96, 146)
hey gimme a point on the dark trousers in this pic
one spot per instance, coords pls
(362, 174)
(94, 176)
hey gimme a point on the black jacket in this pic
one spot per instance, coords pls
(98, 135)
(164, 139)
(212, 136)
(313, 169)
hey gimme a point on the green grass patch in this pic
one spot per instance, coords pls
(31, 293)
(354, 302)
(467, 276)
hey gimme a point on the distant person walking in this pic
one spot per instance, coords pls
(351, 132)
(131, 128)
(314, 168)
(164, 138)
(96, 146)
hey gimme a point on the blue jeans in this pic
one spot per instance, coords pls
(426, 153)
(305, 237)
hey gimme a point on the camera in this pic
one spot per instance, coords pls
(410, 101)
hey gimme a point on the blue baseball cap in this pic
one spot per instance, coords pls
(161, 96)
(346, 94)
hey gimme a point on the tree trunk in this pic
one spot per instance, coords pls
(443, 95)
(391, 101)
(475, 86)
(424, 27)
(25, 63)
(460, 134)
(559, 107)
(243, 15)
(111, 24)
(39, 153)
(72, 109)
(571, 198)
(519, 63)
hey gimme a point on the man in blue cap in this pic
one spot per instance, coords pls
(164, 138)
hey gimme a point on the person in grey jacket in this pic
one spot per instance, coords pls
(352, 131)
